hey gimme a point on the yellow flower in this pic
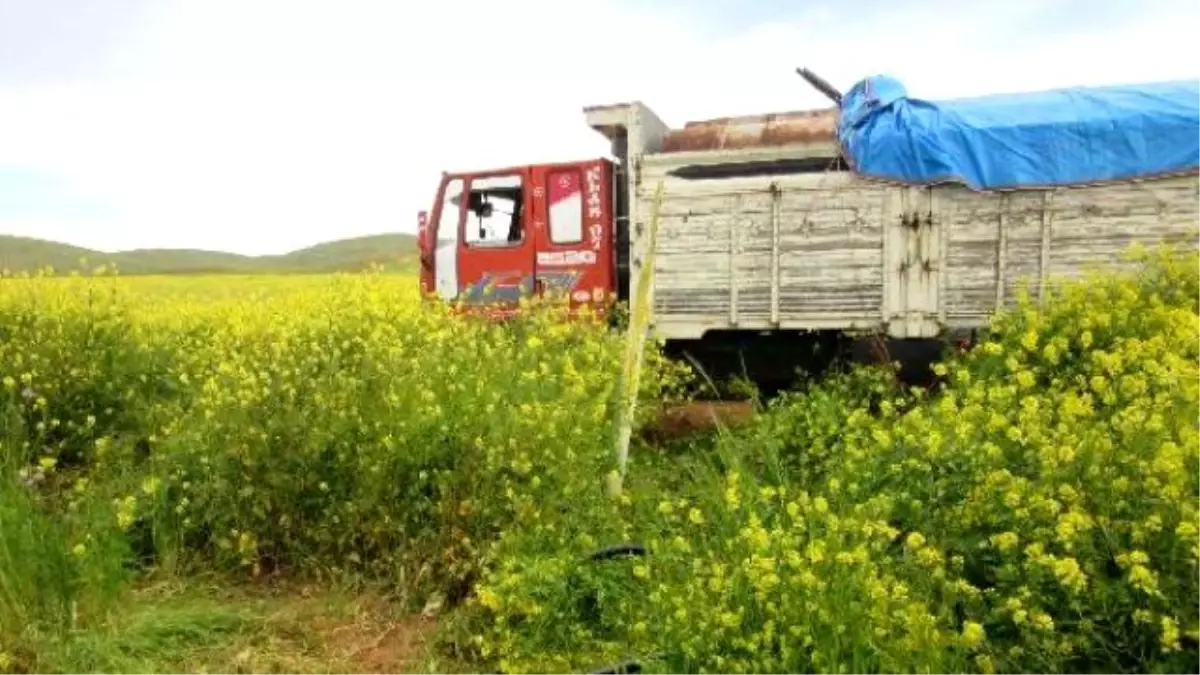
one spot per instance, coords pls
(1005, 541)
(488, 598)
(973, 634)
(1042, 621)
(1169, 639)
(914, 540)
(1070, 575)
(1143, 579)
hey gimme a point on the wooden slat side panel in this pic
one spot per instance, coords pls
(1090, 231)
(830, 247)
(1085, 228)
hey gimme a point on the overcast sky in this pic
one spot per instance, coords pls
(260, 126)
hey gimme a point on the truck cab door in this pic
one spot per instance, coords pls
(484, 251)
(572, 205)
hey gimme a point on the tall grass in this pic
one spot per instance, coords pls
(62, 565)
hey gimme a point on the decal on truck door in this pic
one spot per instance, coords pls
(559, 283)
(595, 207)
(560, 258)
(499, 287)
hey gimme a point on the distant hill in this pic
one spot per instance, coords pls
(395, 252)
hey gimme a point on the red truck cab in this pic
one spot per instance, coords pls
(495, 236)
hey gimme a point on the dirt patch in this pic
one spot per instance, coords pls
(399, 648)
(373, 640)
(683, 421)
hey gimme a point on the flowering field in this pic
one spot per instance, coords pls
(1038, 512)
(320, 426)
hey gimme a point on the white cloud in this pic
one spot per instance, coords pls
(263, 126)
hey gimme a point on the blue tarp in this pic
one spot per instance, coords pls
(1059, 137)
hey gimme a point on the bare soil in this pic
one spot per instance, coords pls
(677, 422)
(397, 647)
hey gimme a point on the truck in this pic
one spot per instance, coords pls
(882, 219)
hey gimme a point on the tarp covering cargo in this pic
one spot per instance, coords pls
(1059, 137)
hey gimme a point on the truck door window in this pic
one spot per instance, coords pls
(564, 191)
(445, 276)
(494, 212)
(447, 226)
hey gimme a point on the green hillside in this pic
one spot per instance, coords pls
(395, 252)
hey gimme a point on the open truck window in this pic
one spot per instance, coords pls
(446, 246)
(494, 215)
(451, 213)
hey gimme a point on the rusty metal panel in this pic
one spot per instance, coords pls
(735, 133)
